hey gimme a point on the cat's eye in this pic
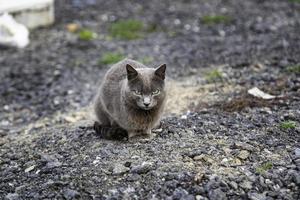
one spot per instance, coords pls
(155, 92)
(136, 92)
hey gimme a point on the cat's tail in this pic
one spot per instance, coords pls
(110, 133)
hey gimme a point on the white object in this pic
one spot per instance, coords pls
(31, 13)
(12, 33)
(258, 93)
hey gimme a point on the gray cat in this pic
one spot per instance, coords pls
(130, 100)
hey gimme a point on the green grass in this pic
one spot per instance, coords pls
(87, 35)
(127, 29)
(294, 1)
(213, 75)
(264, 167)
(110, 58)
(215, 19)
(294, 69)
(146, 60)
(287, 125)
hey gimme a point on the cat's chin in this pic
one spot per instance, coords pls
(146, 108)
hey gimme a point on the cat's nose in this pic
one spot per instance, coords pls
(146, 104)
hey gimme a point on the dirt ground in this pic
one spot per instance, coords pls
(215, 140)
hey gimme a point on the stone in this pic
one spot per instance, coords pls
(71, 194)
(143, 168)
(296, 178)
(12, 196)
(256, 196)
(297, 152)
(243, 154)
(233, 185)
(246, 185)
(243, 146)
(217, 194)
(51, 161)
(119, 169)
(30, 168)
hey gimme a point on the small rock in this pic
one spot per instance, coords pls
(159, 130)
(198, 177)
(143, 168)
(243, 154)
(6, 107)
(71, 194)
(29, 168)
(216, 194)
(133, 177)
(297, 152)
(183, 117)
(119, 169)
(51, 161)
(204, 158)
(199, 197)
(296, 177)
(256, 196)
(233, 185)
(12, 196)
(243, 146)
(246, 185)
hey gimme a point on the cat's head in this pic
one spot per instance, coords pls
(146, 86)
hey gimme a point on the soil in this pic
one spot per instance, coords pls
(215, 140)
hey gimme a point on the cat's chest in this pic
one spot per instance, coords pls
(141, 120)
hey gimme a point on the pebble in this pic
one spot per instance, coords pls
(217, 194)
(243, 146)
(12, 196)
(71, 194)
(29, 168)
(143, 168)
(51, 161)
(119, 169)
(246, 185)
(256, 196)
(243, 154)
(233, 185)
(297, 152)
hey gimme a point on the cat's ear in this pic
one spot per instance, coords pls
(161, 71)
(131, 72)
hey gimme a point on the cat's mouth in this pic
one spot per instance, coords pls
(146, 107)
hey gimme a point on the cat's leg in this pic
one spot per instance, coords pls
(102, 122)
(140, 135)
(133, 133)
(149, 134)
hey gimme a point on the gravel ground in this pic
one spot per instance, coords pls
(215, 141)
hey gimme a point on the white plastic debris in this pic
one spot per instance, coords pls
(12, 33)
(258, 93)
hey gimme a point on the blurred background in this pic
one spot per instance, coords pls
(213, 49)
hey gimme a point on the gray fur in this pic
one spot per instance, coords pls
(131, 96)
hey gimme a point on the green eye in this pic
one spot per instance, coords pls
(155, 92)
(137, 92)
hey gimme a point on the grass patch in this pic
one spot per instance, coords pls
(213, 76)
(287, 125)
(127, 29)
(294, 69)
(87, 35)
(294, 1)
(215, 19)
(264, 167)
(110, 58)
(146, 60)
